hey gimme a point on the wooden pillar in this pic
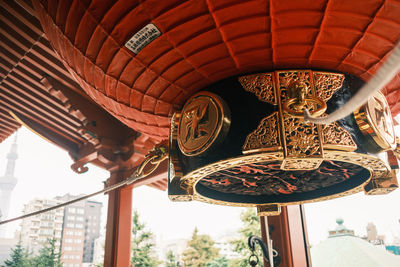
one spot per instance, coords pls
(289, 236)
(117, 250)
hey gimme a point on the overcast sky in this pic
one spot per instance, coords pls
(43, 171)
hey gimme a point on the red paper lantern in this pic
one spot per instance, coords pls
(202, 42)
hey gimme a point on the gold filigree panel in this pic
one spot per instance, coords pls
(296, 138)
(265, 136)
(300, 164)
(335, 137)
(261, 85)
(326, 84)
(287, 78)
(301, 140)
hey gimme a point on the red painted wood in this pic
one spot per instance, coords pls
(119, 224)
(289, 236)
(203, 42)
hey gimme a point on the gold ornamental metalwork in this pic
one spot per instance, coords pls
(335, 137)
(302, 143)
(282, 143)
(205, 119)
(299, 99)
(377, 168)
(375, 121)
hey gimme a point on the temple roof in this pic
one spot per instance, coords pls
(344, 249)
(37, 91)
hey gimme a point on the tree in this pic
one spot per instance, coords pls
(171, 261)
(200, 251)
(48, 255)
(220, 262)
(142, 247)
(19, 257)
(251, 226)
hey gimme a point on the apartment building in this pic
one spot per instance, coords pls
(37, 229)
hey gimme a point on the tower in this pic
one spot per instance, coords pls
(7, 184)
(372, 234)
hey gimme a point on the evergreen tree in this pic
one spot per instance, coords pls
(171, 261)
(19, 257)
(48, 255)
(251, 226)
(200, 251)
(220, 262)
(142, 247)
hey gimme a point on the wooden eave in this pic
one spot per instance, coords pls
(26, 60)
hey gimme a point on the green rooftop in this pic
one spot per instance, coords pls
(343, 249)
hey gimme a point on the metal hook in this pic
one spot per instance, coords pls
(252, 244)
(154, 158)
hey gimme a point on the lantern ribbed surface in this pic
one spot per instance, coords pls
(204, 41)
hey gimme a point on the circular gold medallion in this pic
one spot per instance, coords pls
(205, 120)
(375, 120)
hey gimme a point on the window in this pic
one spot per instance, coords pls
(79, 218)
(72, 210)
(68, 240)
(77, 241)
(79, 225)
(71, 218)
(70, 225)
(69, 232)
(78, 233)
(80, 211)
(68, 248)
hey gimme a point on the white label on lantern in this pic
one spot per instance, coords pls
(142, 38)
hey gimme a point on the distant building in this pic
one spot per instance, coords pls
(98, 250)
(81, 228)
(7, 184)
(73, 232)
(344, 249)
(372, 233)
(75, 228)
(223, 243)
(37, 229)
(177, 246)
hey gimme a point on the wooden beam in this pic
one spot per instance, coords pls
(47, 133)
(119, 223)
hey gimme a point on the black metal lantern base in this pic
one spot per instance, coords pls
(246, 144)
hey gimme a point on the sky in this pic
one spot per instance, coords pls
(43, 171)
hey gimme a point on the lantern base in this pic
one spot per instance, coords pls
(258, 179)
